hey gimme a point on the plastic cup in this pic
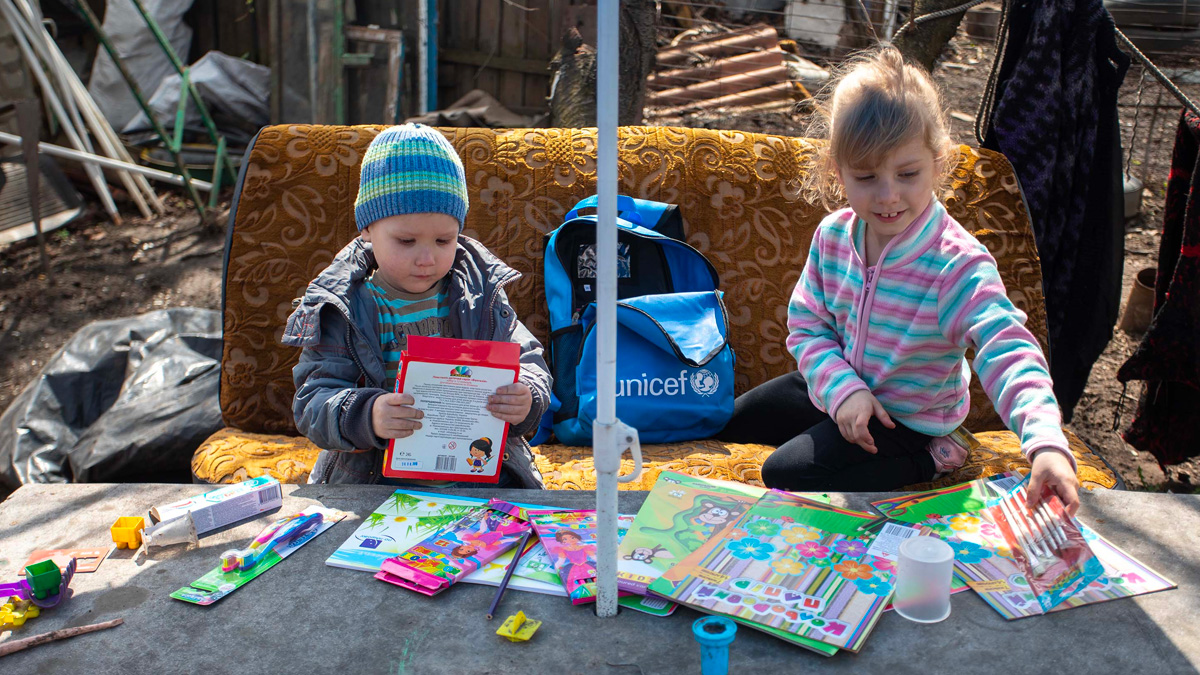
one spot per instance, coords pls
(923, 576)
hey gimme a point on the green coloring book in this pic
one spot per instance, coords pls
(794, 567)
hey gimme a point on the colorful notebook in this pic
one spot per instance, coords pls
(794, 567)
(679, 515)
(570, 541)
(404, 519)
(984, 558)
(447, 556)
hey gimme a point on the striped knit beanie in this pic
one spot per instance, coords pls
(410, 168)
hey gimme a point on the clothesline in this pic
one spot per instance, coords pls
(1158, 74)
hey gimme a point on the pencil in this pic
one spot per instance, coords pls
(512, 566)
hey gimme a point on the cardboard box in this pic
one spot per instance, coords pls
(219, 508)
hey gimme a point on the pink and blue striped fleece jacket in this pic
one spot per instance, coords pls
(934, 293)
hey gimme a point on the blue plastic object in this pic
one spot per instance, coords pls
(714, 633)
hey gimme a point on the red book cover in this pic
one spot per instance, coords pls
(451, 380)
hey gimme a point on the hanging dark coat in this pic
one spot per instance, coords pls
(1167, 423)
(1051, 108)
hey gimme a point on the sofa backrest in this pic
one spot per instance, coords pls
(739, 194)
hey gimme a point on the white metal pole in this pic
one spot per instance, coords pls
(98, 160)
(606, 454)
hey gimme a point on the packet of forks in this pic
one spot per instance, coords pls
(1046, 544)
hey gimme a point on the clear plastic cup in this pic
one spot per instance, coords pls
(923, 576)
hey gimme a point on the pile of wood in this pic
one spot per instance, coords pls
(737, 71)
(80, 118)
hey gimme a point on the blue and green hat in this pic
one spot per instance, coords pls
(410, 168)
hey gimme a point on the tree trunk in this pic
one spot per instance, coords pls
(573, 92)
(923, 43)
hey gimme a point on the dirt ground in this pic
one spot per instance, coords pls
(103, 271)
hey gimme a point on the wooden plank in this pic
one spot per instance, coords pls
(201, 17)
(262, 25)
(488, 42)
(513, 23)
(468, 34)
(538, 47)
(449, 33)
(244, 29)
(498, 63)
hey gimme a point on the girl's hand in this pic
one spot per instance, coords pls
(853, 415)
(1052, 469)
(392, 416)
(511, 402)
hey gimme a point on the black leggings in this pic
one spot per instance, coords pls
(812, 456)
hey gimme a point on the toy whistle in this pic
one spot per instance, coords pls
(283, 531)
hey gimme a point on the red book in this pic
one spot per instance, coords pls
(451, 380)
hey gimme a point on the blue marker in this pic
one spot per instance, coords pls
(714, 633)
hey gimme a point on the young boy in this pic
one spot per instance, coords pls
(409, 272)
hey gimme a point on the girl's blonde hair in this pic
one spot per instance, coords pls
(874, 104)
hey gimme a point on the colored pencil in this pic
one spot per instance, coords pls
(512, 566)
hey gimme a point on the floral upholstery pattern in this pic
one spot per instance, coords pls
(738, 193)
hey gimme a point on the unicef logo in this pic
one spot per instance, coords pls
(705, 382)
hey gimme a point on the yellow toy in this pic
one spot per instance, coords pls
(517, 628)
(16, 611)
(127, 531)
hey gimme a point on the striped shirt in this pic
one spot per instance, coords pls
(401, 314)
(901, 329)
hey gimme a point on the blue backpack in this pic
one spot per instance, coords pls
(674, 362)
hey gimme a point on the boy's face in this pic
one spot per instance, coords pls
(414, 250)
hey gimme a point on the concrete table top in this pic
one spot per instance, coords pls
(304, 616)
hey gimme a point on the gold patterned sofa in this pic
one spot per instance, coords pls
(739, 194)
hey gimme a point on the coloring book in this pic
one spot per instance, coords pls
(570, 541)
(404, 519)
(450, 554)
(984, 559)
(794, 567)
(680, 513)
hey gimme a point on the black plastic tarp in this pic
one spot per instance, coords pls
(235, 91)
(124, 400)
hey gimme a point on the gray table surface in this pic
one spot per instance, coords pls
(304, 616)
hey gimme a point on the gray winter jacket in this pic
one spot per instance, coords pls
(341, 369)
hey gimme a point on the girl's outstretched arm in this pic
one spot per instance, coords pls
(974, 311)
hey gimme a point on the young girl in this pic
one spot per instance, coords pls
(893, 293)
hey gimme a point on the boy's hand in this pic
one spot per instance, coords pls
(511, 402)
(1052, 469)
(853, 415)
(392, 416)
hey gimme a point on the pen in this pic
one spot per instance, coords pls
(512, 566)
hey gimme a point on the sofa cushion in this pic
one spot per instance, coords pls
(230, 456)
(738, 193)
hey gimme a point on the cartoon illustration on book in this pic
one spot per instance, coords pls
(649, 555)
(481, 454)
(708, 514)
(577, 560)
(404, 519)
(679, 515)
(793, 567)
(446, 556)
